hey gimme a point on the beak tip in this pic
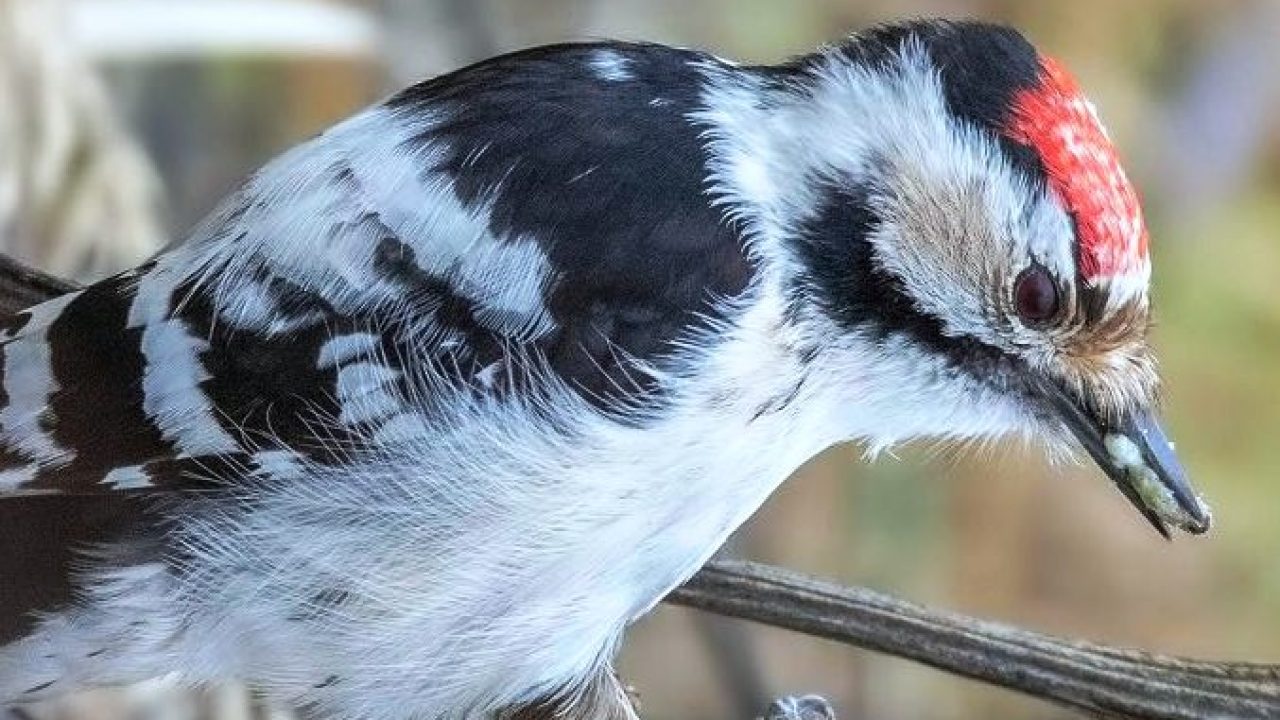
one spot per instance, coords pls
(1141, 462)
(1193, 519)
(1202, 518)
(1135, 454)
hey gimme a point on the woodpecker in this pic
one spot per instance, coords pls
(437, 403)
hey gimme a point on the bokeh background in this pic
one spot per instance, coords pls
(123, 121)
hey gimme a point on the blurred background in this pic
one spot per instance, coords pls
(123, 121)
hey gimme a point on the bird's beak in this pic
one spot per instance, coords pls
(1139, 459)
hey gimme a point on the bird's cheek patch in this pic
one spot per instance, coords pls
(1084, 172)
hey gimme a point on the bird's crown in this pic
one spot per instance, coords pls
(1083, 170)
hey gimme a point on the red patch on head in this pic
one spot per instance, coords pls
(1084, 171)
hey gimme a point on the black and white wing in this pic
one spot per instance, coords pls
(548, 206)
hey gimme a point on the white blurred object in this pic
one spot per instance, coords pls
(133, 29)
(77, 196)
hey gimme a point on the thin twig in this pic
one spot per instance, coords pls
(1094, 678)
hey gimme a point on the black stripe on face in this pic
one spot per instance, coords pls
(846, 279)
(96, 410)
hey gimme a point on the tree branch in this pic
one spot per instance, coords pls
(1094, 678)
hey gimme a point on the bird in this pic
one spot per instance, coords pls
(436, 404)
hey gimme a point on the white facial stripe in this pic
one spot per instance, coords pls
(966, 212)
(1124, 288)
(746, 174)
(957, 211)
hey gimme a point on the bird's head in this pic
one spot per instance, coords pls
(953, 227)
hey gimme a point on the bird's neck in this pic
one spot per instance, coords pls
(741, 423)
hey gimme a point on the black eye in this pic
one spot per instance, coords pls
(1035, 296)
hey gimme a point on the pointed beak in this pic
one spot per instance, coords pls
(1139, 459)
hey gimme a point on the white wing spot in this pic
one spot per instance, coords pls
(277, 463)
(610, 66)
(16, 477)
(342, 349)
(365, 392)
(127, 478)
(489, 374)
(401, 428)
(363, 378)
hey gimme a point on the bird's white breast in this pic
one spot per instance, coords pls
(493, 560)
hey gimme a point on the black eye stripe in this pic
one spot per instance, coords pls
(847, 280)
